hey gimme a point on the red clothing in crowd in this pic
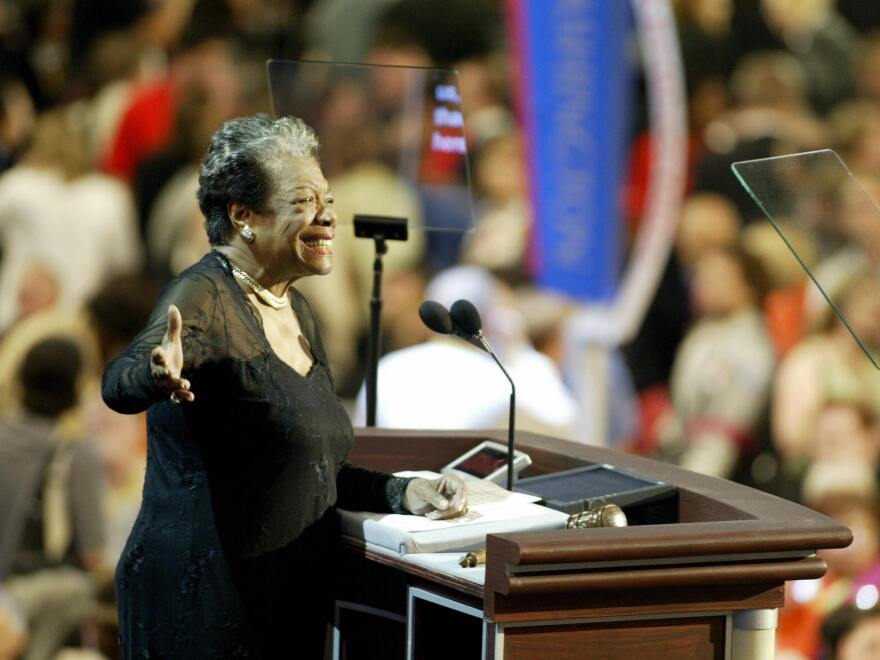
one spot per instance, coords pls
(145, 128)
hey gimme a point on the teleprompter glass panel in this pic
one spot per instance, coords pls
(397, 131)
(828, 219)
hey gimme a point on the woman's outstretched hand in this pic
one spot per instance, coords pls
(437, 499)
(166, 360)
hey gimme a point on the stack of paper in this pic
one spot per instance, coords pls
(491, 510)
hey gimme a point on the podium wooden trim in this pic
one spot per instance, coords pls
(731, 550)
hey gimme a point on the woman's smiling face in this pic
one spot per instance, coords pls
(296, 230)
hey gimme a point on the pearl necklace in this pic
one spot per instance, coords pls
(275, 302)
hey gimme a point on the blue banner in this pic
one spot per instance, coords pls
(575, 83)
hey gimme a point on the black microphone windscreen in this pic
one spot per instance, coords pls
(436, 317)
(466, 317)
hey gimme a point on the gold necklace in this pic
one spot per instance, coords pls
(275, 302)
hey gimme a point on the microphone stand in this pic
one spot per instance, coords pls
(374, 344)
(510, 422)
(380, 228)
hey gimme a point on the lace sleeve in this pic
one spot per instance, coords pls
(127, 385)
(360, 489)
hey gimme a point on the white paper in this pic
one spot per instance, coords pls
(487, 502)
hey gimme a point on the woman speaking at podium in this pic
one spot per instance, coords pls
(234, 550)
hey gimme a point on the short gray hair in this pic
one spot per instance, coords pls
(236, 167)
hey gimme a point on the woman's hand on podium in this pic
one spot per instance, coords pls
(437, 499)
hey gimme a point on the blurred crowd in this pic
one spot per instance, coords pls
(740, 369)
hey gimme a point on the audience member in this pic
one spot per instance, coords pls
(852, 633)
(16, 120)
(845, 490)
(770, 115)
(706, 41)
(849, 240)
(708, 222)
(28, 332)
(785, 303)
(342, 30)
(827, 365)
(441, 208)
(446, 383)
(165, 186)
(116, 314)
(822, 40)
(56, 211)
(855, 133)
(500, 239)
(165, 182)
(38, 290)
(146, 125)
(483, 85)
(846, 430)
(116, 64)
(650, 354)
(50, 502)
(843, 429)
(867, 72)
(158, 23)
(723, 369)
(473, 24)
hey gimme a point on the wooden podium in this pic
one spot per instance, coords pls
(707, 586)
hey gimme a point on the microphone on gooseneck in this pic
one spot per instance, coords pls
(466, 319)
(436, 317)
(463, 320)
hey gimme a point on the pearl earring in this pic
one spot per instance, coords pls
(248, 234)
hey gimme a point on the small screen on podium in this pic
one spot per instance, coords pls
(599, 481)
(483, 463)
(643, 500)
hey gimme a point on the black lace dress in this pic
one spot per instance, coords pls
(236, 537)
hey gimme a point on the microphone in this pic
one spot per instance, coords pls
(466, 317)
(436, 317)
(463, 320)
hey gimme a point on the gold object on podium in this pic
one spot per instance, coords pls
(472, 559)
(598, 515)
